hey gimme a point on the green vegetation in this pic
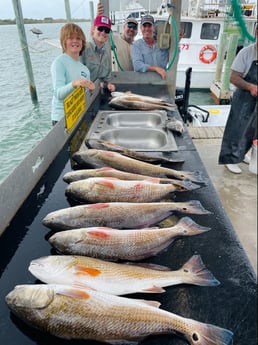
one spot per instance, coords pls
(36, 21)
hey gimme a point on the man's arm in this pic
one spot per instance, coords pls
(236, 79)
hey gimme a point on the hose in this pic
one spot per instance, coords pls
(113, 47)
(238, 16)
(173, 22)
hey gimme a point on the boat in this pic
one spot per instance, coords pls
(203, 23)
(132, 9)
(36, 188)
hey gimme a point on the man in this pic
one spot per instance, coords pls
(146, 55)
(121, 44)
(240, 130)
(96, 56)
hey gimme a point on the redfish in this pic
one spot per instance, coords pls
(109, 189)
(145, 157)
(120, 215)
(81, 174)
(101, 158)
(118, 278)
(114, 244)
(86, 314)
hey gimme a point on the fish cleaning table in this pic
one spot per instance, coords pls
(230, 305)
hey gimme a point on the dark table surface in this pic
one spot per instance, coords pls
(230, 305)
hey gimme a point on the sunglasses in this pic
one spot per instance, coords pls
(132, 26)
(103, 28)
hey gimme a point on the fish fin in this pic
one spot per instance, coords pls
(207, 334)
(154, 289)
(105, 169)
(98, 205)
(190, 227)
(186, 185)
(154, 304)
(106, 183)
(123, 341)
(88, 271)
(196, 273)
(81, 286)
(149, 266)
(73, 292)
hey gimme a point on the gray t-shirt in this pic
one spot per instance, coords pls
(244, 59)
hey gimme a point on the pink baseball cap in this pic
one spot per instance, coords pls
(102, 21)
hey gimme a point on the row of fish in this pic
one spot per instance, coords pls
(80, 299)
(103, 158)
(130, 101)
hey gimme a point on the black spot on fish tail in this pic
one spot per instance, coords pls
(207, 334)
(198, 273)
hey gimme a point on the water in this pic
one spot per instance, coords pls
(23, 124)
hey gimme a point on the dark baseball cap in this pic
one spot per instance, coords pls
(147, 19)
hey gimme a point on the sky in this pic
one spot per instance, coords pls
(38, 9)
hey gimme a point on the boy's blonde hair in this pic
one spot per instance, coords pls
(69, 30)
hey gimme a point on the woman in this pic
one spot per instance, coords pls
(96, 55)
(67, 71)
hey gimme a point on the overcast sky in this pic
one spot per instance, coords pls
(39, 9)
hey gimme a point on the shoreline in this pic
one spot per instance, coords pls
(41, 21)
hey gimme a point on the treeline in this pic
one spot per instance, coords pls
(36, 21)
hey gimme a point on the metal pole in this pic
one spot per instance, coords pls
(91, 12)
(221, 53)
(24, 47)
(171, 73)
(105, 4)
(232, 47)
(68, 11)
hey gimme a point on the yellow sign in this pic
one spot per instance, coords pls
(74, 106)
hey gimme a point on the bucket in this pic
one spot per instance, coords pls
(253, 161)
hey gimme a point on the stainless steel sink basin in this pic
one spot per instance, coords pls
(136, 130)
(137, 119)
(137, 138)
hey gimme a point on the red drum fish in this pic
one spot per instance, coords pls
(99, 144)
(118, 278)
(72, 313)
(120, 215)
(101, 158)
(109, 189)
(82, 174)
(116, 244)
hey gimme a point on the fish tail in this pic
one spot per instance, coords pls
(194, 207)
(190, 227)
(196, 273)
(194, 176)
(207, 334)
(186, 185)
